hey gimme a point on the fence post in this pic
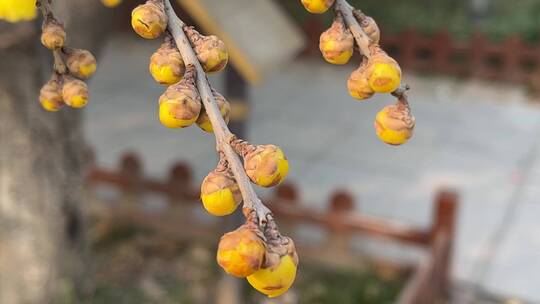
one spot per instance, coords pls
(409, 45)
(341, 203)
(441, 52)
(288, 192)
(179, 184)
(446, 204)
(313, 27)
(130, 173)
(512, 50)
(477, 53)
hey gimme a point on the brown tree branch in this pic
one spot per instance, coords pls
(45, 8)
(59, 65)
(252, 203)
(346, 10)
(401, 95)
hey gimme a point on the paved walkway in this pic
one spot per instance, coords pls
(478, 137)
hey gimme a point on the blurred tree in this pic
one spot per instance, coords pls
(497, 18)
(41, 163)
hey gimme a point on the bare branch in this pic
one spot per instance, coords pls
(401, 95)
(45, 8)
(348, 12)
(252, 204)
(343, 7)
(59, 65)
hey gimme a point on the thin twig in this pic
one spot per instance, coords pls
(45, 8)
(401, 94)
(363, 41)
(222, 133)
(360, 36)
(59, 65)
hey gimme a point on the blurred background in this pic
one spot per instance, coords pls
(450, 217)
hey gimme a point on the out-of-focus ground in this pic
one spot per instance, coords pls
(479, 137)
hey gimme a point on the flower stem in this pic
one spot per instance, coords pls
(252, 203)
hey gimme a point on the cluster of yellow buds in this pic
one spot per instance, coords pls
(180, 106)
(265, 165)
(266, 259)
(255, 251)
(71, 67)
(377, 73)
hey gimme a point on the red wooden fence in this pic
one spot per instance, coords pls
(508, 60)
(430, 280)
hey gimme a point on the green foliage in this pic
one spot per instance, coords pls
(323, 286)
(504, 17)
(119, 294)
(319, 285)
(125, 258)
(508, 17)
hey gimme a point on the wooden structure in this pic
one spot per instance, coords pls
(259, 35)
(510, 60)
(478, 57)
(428, 283)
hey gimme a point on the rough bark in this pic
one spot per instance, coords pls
(41, 165)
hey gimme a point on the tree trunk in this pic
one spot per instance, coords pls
(41, 165)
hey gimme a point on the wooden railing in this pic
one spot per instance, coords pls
(430, 279)
(509, 60)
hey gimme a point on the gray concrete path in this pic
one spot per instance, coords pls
(474, 136)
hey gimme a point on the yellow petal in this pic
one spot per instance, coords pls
(78, 101)
(385, 78)
(315, 6)
(274, 282)
(168, 119)
(17, 10)
(219, 203)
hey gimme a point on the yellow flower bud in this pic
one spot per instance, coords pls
(317, 6)
(241, 252)
(149, 20)
(75, 92)
(50, 95)
(371, 29)
(337, 43)
(276, 280)
(53, 35)
(17, 10)
(358, 83)
(180, 105)
(266, 166)
(220, 193)
(81, 63)
(394, 125)
(111, 3)
(211, 51)
(385, 72)
(224, 108)
(166, 64)
(178, 110)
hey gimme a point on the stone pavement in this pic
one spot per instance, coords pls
(478, 137)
